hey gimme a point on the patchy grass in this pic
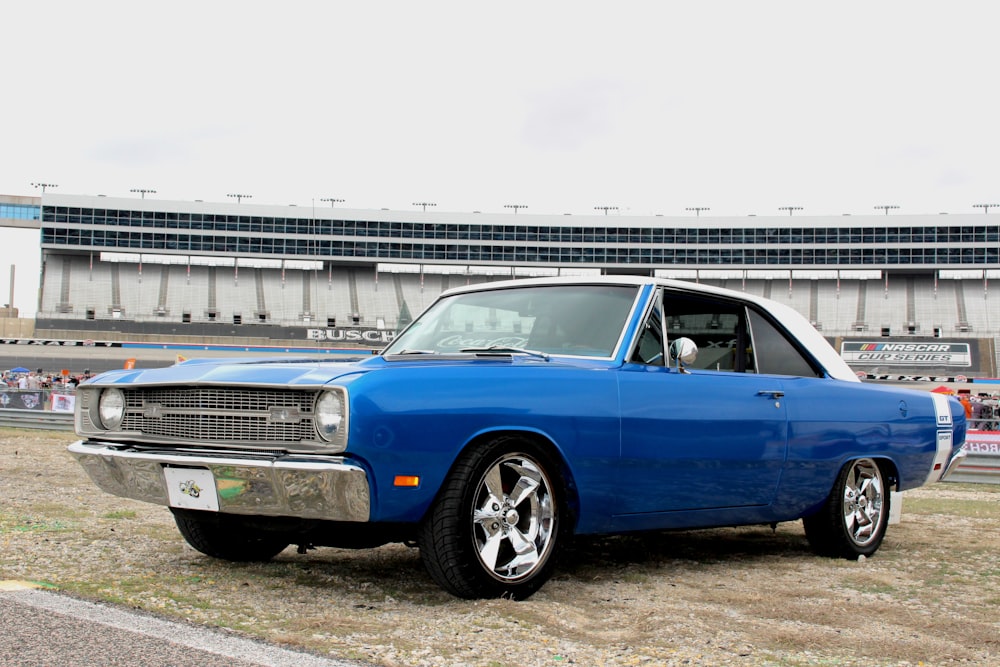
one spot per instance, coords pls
(985, 508)
(737, 596)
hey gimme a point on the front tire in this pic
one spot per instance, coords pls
(493, 530)
(853, 520)
(225, 536)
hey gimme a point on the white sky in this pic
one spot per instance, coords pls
(650, 106)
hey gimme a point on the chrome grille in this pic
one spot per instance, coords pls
(220, 415)
(220, 398)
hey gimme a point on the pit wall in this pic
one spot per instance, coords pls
(17, 327)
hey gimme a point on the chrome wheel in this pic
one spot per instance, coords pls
(513, 518)
(863, 494)
(494, 528)
(853, 519)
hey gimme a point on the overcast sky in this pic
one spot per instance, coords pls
(650, 106)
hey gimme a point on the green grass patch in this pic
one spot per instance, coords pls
(30, 524)
(969, 486)
(986, 509)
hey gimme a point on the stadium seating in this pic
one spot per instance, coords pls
(77, 287)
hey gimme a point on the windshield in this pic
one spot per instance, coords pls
(580, 320)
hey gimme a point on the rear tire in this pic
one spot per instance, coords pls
(853, 520)
(494, 527)
(225, 536)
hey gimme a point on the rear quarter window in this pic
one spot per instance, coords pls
(774, 353)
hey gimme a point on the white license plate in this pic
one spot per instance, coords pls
(191, 488)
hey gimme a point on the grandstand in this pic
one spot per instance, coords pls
(74, 286)
(148, 270)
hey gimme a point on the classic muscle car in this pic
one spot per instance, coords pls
(511, 415)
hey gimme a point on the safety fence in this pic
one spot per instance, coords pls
(982, 462)
(45, 420)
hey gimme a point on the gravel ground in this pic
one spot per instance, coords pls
(747, 596)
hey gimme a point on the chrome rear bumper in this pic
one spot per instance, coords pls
(954, 462)
(313, 487)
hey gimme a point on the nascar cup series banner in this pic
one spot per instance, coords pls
(910, 353)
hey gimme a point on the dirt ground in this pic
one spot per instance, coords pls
(747, 596)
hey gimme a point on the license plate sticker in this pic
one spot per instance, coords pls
(191, 488)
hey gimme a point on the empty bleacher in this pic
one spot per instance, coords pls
(76, 287)
(336, 300)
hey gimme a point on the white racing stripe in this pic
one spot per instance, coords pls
(945, 434)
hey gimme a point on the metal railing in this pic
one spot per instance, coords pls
(977, 468)
(982, 461)
(45, 420)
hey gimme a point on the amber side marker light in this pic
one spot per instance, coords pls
(406, 480)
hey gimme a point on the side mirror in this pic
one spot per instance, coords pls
(684, 351)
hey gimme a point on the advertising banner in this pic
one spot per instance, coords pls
(376, 337)
(983, 442)
(909, 353)
(22, 400)
(63, 402)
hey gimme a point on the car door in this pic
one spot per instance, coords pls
(713, 435)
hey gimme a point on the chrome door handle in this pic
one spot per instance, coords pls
(771, 393)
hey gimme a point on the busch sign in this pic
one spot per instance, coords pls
(376, 337)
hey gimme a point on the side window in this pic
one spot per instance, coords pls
(729, 336)
(649, 349)
(716, 327)
(774, 353)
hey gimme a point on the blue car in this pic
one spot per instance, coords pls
(512, 415)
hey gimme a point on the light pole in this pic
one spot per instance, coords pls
(143, 191)
(424, 204)
(239, 197)
(789, 209)
(43, 186)
(885, 207)
(515, 207)
(333, 202)
(986, 207)
(697, 210)
(605, 209)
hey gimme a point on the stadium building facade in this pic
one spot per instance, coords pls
(152, 268)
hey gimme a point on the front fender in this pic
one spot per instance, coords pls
(417, 421)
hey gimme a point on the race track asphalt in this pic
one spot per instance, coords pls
(40, 628)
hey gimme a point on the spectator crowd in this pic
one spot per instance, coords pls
(33, 380)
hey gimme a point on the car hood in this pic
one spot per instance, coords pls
(255, 370)
(308, 372)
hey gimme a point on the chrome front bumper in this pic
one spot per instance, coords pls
(313, 487)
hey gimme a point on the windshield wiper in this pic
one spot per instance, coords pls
(407, 351)
(506, 349)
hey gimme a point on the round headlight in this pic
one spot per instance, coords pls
(111, 408)
(329, 414)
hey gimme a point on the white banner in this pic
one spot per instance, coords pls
(63, 402)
